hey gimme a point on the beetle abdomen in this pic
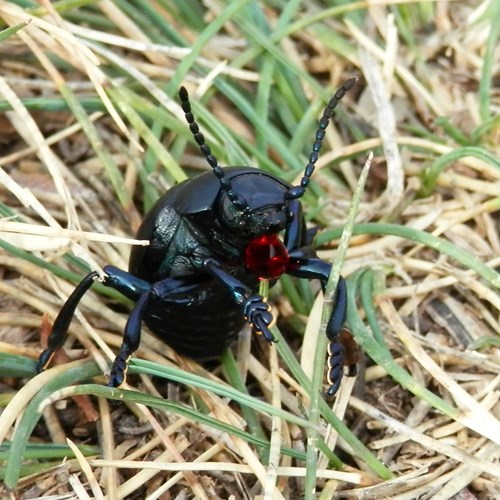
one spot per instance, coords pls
(200, 330)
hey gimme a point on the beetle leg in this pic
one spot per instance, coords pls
(127, 284)
(296, 234)
(255, 309)
(115, 278)
(311, 233)
(61, 324)
(130, 342)
(314, 268)
(295, 230)
(175, 289)
(335, 373)
(256, 312)
(143, 293)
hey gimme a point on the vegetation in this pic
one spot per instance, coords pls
(92, 133)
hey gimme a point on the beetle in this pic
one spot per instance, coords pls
(212, 239)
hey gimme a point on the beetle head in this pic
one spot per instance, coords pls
(264, 206)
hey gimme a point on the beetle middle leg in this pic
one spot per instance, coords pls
(174, 290)
(296, 234)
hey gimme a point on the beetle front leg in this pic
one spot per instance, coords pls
(294, 234)
(256, 310)
(314, 268)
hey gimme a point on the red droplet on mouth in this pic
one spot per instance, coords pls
(267, 257)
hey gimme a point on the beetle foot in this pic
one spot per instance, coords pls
(258, 314)
(335, 367)
(44, 360)
(118, 372)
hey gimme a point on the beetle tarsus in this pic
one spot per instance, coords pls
(131, 340)
(335, 367)
(118, 371)
(258, 314)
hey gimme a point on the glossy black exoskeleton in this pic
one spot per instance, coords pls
(212, 239)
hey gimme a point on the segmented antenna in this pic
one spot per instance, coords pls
(298, 191)
(207, 152)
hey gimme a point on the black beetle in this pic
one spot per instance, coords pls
(212, 239)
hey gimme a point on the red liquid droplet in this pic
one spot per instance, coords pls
(267, 257)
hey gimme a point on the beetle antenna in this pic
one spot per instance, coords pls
(207, 152)
(298, 191)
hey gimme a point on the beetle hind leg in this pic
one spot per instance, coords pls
(116, 278)
(61, 324)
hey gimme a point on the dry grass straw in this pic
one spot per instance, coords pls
(90, 136)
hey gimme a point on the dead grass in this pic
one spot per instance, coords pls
(92, 133)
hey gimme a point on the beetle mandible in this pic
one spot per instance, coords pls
(212, 239)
